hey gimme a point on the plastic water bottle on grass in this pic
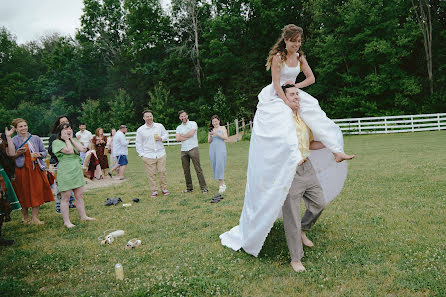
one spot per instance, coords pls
(119, 271)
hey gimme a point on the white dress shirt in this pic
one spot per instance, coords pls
(120, 144)
(146, 146)
(84, 137)
(189, 143)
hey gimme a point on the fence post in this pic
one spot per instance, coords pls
(438, 121)
(411, 123)
(359, 126)
(236, 127)
(250, 125)
(385, 124)
(243, 124)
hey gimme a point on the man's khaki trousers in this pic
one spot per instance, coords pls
(154, 166)
(305, 185)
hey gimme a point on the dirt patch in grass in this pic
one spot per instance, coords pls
(101, 183)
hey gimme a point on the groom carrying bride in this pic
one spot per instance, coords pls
(305, 185)
(275, 152)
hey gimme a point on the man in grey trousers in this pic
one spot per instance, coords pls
(187, 134)
(305, 185)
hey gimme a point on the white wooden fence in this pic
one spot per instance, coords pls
(393, 124)
(370, 125)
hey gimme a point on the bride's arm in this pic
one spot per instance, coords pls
(309, 76)
(275, 73)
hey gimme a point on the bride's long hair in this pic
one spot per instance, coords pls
(289, 32)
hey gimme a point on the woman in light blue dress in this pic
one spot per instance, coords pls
(217, 150)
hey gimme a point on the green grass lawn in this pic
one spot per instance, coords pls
(384, 235)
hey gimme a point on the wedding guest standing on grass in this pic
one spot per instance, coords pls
(187, 134)
(7, 170)
(217, 151)
(109, 148)
(150, 147)
(69, 176)
(120, 151)
(53, 160)
(31, 183)
(84, 137)
(100, 141)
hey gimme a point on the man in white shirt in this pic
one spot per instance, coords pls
(187, 134)
(150, 147)
(84, 137)
(120, 151)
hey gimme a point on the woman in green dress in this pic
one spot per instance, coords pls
(69, 172)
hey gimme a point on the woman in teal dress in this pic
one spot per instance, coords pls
(69, 172)
(7, 153)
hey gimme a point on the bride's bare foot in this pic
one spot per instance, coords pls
(297, 266)
(340, 156)
(305, 240)
(88, 219)
(69, 225)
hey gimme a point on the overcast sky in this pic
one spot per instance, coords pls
(30, 19)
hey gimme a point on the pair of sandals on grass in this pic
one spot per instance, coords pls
(217, 198)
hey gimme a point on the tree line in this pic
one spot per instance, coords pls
(370, 58)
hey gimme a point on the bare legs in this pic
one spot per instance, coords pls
(78, 193)
(35, 216)
(121, 171)
(64, 203)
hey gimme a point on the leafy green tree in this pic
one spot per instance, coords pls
(149, 32)
(62, 75)
(362, 58)
(93, 115)
(220, 106)
(122, 110)
(32, 113)
(13, 89)
(161, 105)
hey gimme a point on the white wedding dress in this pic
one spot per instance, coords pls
(273, 158)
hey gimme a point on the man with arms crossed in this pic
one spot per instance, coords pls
(150, 147)
(305, 185)
(187, 134)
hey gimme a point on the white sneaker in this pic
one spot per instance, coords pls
(222, 189)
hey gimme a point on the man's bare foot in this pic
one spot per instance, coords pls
(69, 225)
(305, 240)
(340, 156)
(88, 219)
(297, 266)
(36, 222)
(26, 221)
